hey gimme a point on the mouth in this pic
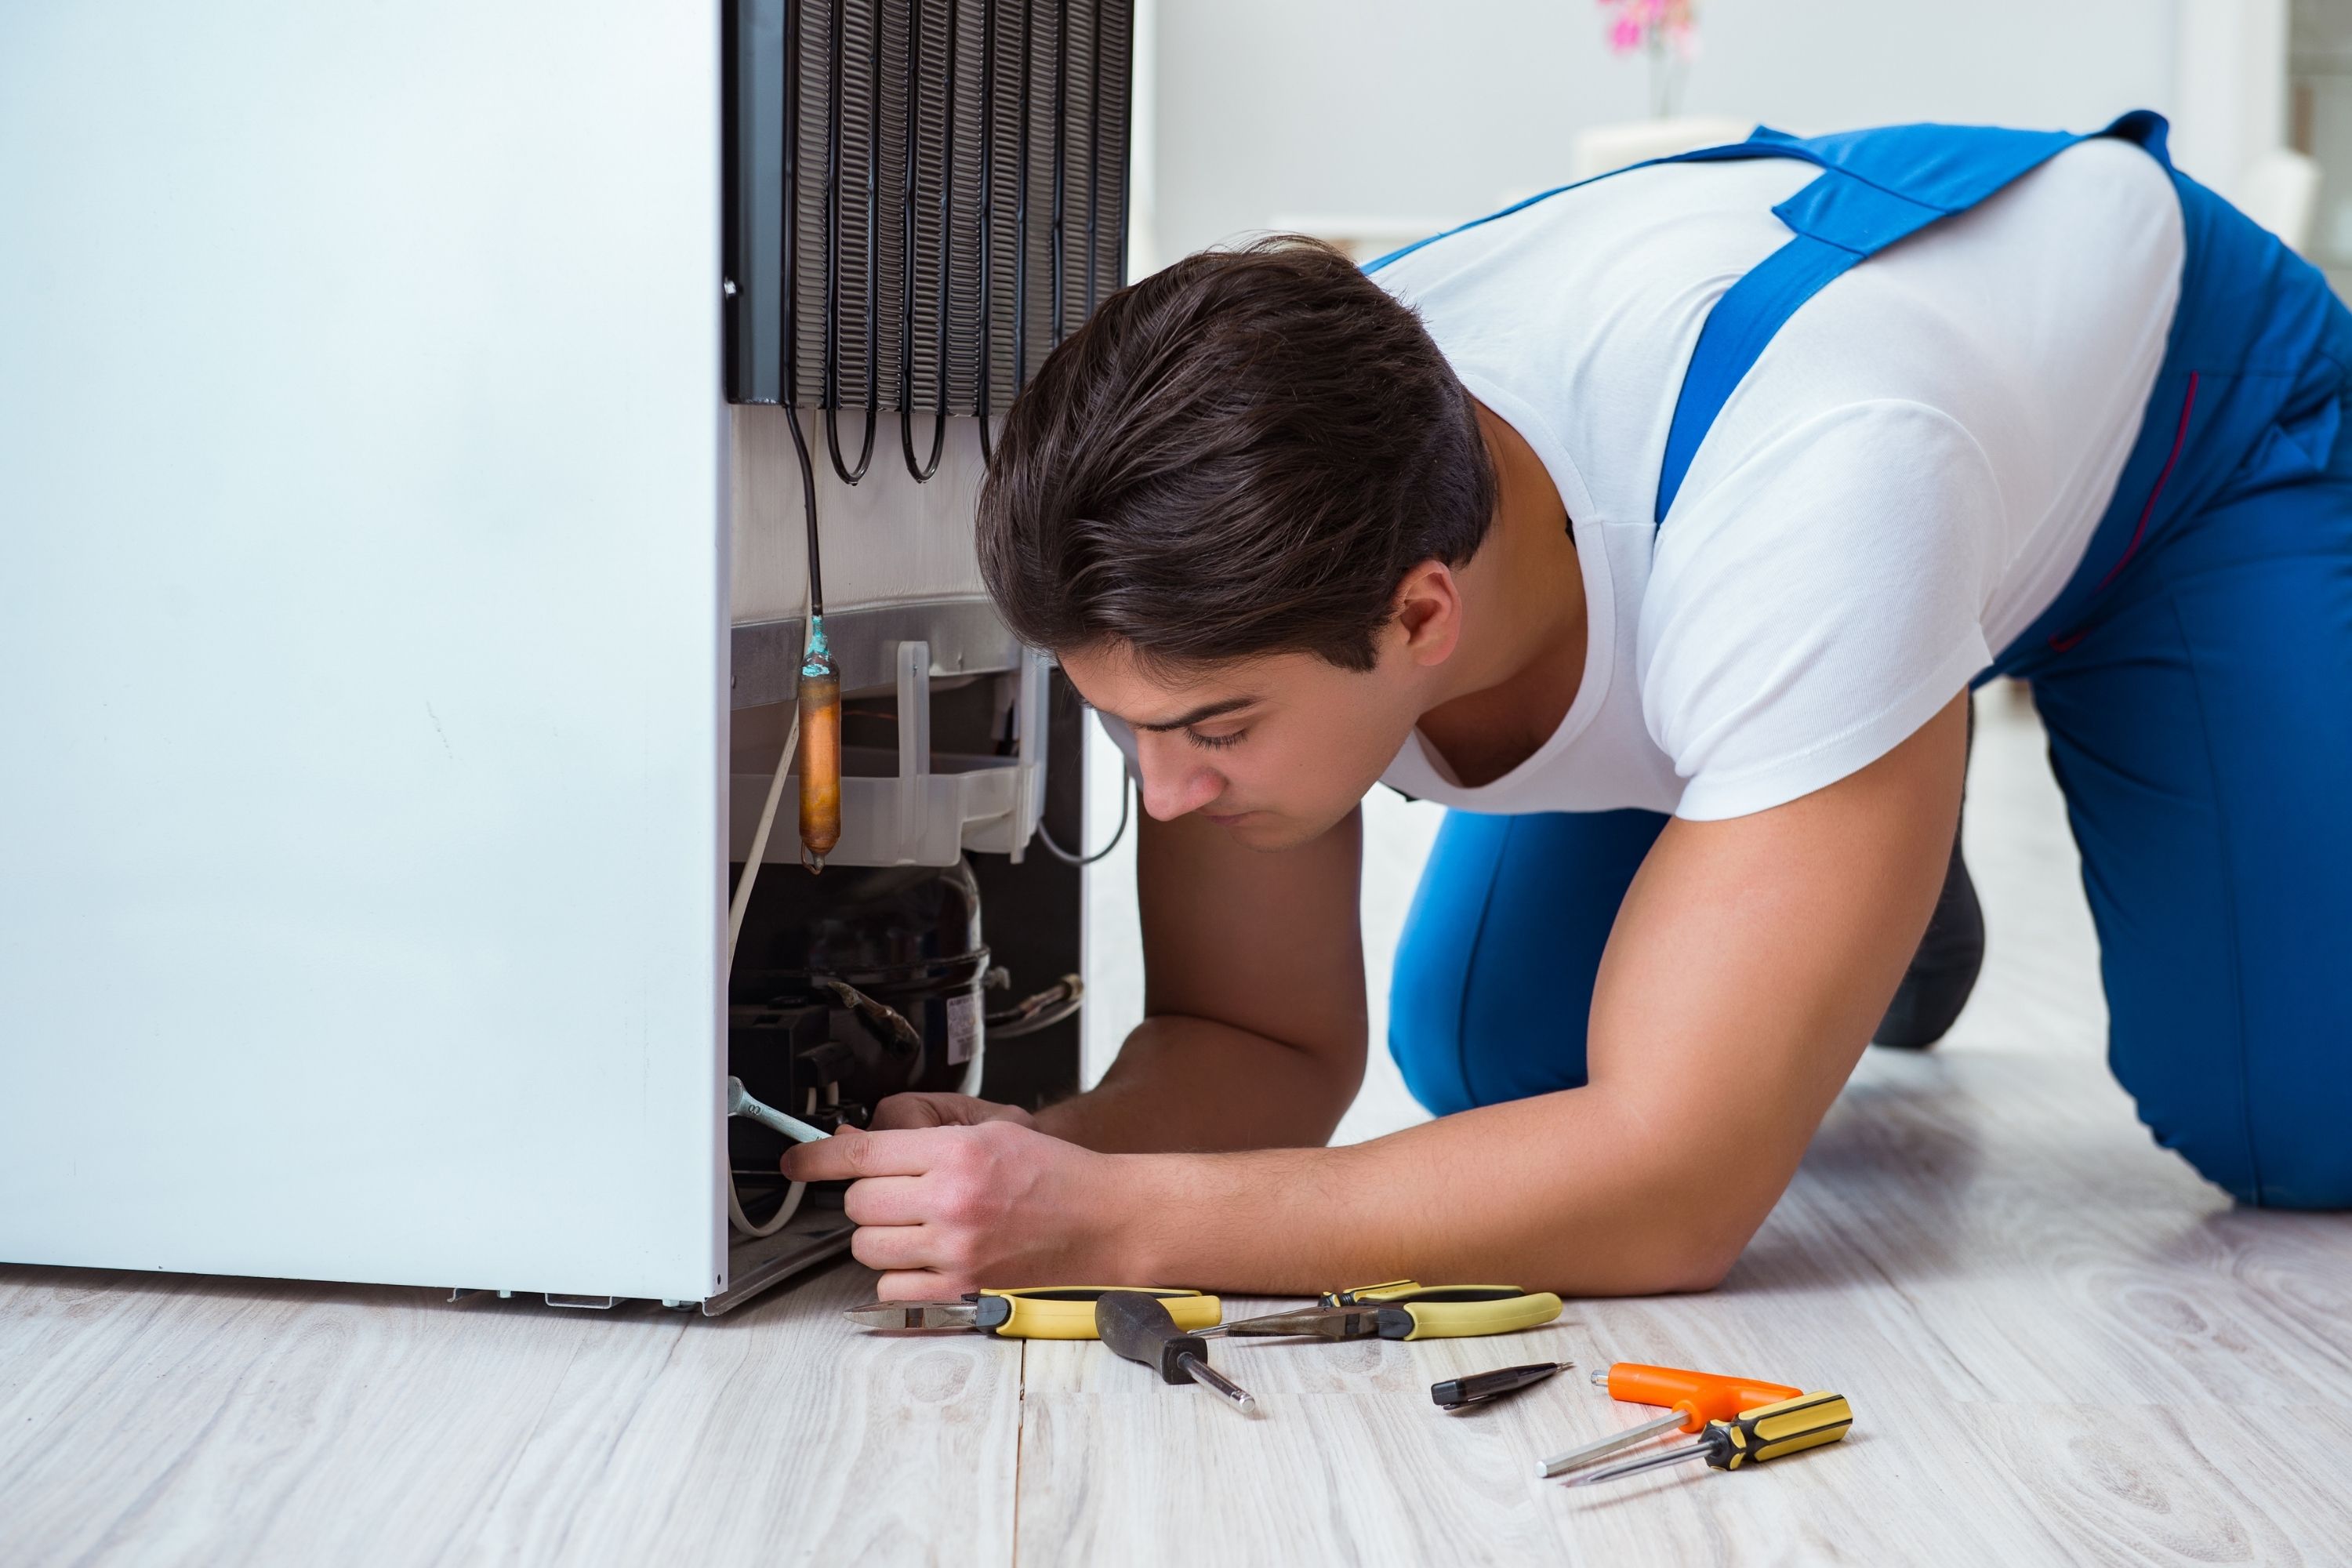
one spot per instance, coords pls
(1233, 820)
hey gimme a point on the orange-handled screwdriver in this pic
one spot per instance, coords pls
(1693, 1399)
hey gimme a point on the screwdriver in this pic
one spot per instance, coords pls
(1138, 1327)
(1750, 1437)
(1695, 1398)
(740, 1103)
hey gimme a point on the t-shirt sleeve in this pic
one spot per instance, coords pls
(1817, 604)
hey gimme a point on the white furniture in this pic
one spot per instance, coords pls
(1603, 147)
(2280, 192)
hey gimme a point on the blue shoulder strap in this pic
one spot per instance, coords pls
(1875, 187)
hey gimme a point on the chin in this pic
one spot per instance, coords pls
(1266, 830)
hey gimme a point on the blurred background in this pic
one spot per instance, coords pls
(1374, 123)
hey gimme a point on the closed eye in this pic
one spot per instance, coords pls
(1214, 741)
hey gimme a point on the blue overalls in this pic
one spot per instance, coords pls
(2195, 676)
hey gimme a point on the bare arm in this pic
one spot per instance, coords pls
(1746, 970)
(1746, 967)
(1254, 1024)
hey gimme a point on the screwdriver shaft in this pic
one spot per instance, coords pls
(1217, 1383)
(1633, 1466)
(740, 1103)
(1602, 1447)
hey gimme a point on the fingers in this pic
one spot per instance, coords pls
(850, 1154)
(886, 1200)
(898, 1247)
(920, 1285)
(908, 1110)
(939, 1206)
(928, 1109)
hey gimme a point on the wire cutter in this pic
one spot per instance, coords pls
(1407, 1310)
(1036, 1313)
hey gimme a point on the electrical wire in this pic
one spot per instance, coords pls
(1050, 1006)
(793, 1194)
(1126, 799)
(752, 863)
(742, 901)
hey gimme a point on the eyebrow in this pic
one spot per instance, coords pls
(1197, 716)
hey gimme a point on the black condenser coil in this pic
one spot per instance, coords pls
(923, 198)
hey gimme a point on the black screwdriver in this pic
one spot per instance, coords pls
(1138, 1327)
(1455, 1392)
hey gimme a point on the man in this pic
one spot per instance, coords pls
(1661, 525)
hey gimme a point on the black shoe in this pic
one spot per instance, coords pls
(1943, 972)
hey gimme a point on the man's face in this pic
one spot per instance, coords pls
(1275, 750)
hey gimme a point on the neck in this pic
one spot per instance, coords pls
(1515, 672)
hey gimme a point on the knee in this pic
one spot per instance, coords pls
(1425, 997)
(2302, 1176)
(2299, 1166)
(2250, 1083)
(1494, 972)
(1479, 1026)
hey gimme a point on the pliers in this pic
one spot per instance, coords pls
(1407, 1310)
(1036, 1313)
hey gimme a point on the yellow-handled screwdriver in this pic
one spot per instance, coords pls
(1750, 1438)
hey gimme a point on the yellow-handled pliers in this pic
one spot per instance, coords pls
(1407, 1310)
(1036, 1313)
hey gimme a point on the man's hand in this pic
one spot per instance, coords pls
(908, 1110)
(944, 1209)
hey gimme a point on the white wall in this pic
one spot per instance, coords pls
(2229, 102)
(1273, 107)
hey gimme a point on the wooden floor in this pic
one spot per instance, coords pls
(2061, 1347)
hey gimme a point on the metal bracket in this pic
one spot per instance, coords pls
(914, 737)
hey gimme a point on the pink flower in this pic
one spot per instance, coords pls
(1639, 23)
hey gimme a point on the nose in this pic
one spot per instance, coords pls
(1173, 785)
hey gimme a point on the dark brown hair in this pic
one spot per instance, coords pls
(1243, 453)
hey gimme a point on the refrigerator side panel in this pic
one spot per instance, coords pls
(361, 618)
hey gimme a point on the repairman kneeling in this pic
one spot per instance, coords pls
(1659, 526)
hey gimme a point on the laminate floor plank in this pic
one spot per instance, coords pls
(149, 1421)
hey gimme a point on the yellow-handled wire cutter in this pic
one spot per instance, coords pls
(1407, 1310)
(1036, 1313)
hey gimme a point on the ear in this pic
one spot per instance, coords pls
(1429, 613)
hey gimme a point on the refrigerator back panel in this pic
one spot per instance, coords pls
(922, 199)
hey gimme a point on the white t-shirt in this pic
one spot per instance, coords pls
(1900, 485)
